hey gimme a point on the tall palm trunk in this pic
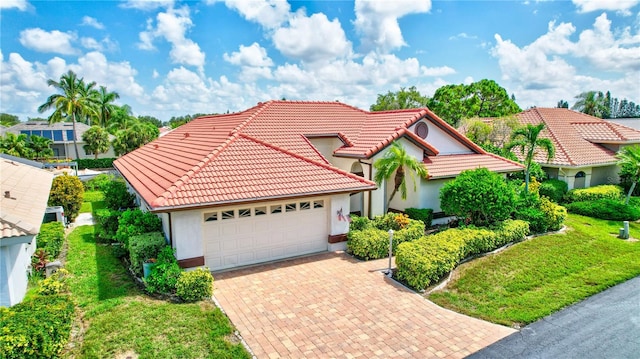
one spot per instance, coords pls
(75, 140)
(399, 177)
(633, 186)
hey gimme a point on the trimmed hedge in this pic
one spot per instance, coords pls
(424, 261)
(99, 182)
(95, 163)
(195, 285)
(593, 193)
(117, 196)
(421, 214)
(609, 209)
(36, 328)
(373, 243)
(165, 273)
(68, 192)
(51, 238)
(555, 189)
(133, 222)
(546, 216)
(107, 224)
(143, 247)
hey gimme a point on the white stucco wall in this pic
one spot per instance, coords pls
(15, 263)
(441, 140)
(339, 203)
(430, 194)
(326, 146)
(186, 227)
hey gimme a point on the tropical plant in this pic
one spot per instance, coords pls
(398, 163)
(97, 140)
(8, 120)
(105, 106)
(40, 146)
(139, 134)
(403, 99)
(15, 145)
(591, 103)
(67, 191)
(74, 103)
(528, 139)
(629, 159)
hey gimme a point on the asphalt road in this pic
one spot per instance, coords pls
(606, 325)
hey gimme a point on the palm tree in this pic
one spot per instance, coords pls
(41, 146)
(629, 159)
(397, 162)
(15, 145)
(591, 103)
(97, 140)
(105, 105)
(74, 103)
(527, 138)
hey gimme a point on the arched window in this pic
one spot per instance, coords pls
(579, 180)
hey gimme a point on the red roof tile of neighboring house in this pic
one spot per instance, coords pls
(577, 136)
(451, 165)
(264, 152)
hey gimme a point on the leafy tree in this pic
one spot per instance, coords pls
(403, 99)
(97, 140)
(150, 119)
(40, 146)
(8, 120)
(398, 163)
(73, 103)
(15, 145)
(176, 122)
(527, 138)
(479, 195)
(137, 135)
(484, 98)
(67, 191)
(121, 119)
(591, 103)
(629, 160)
(105, 105)
(562, 104)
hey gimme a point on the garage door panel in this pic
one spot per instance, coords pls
(248, 240)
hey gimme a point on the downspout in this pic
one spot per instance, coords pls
(170, 230)
(368, 192)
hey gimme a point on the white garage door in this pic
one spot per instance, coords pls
(243, 235)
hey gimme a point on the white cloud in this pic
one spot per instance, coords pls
(377, 22)
(117, 76)
(621, 6)
(270, 14)
(21, 5)
(44, 41)
(93, 22)
(438, 71)
(155, 74)
(253, 55)
(103, 45)
(462, 35)
(146, 5)
(172, 25)
(312, 38)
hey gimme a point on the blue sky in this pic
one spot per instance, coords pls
(171, 58)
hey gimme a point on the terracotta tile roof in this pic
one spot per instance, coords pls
(577, 136)
(446, 166)
(265, 152)
(21, 212)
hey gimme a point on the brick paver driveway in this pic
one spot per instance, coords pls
(332, 305)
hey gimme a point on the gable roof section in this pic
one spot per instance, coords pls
(448, 166)
(264, 152)
(577, 136)
(21, 212)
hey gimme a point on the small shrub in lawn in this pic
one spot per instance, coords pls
(51, 238)
(143, 247)
(534, 216)
(359, 223)
(395, 221)
(421, 214)
(373, 243)
(195, 285)
(165, 273)
(107, 224)
(117, 196)
(36, 328)
(99, 182)
(593, 193)
(67, 191)
(554, 214)
(55, 284)
(133, 222)
(609, 209)
(555, 189)
(511, 231)
(95, 163)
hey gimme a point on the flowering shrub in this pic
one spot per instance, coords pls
(195, 285)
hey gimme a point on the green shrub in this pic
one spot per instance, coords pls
(421, 214)
(99, 182)
(95, 163)
(373, 243)
(424, 261)
(482, 196)
(51, 238)
(55, 284)
(554, 189)
(117, 196)
(195, 285)
(609, 209)
(554, 214)
(359, 223)
(395, 221)
(107, 224)
(36, 328)
(535, 217)
(164, 275)
(67, 191)
(133, 222)
(143, 247)
(593, 193)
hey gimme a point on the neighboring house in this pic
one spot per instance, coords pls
(24, 192)
(61, 133)
(280, 179)
(585, 145)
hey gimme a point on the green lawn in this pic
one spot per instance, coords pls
(120, 319)
(93, 200)
(540, 276)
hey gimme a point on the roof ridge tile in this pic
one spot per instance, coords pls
(555, 137)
